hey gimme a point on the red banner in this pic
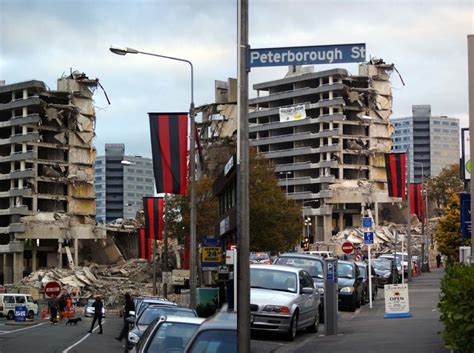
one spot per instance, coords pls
(153, 209)
(395, 166)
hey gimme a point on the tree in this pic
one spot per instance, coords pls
(275, 221)
(448, 232)
(441, 187)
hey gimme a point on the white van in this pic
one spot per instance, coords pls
(8, 301)
(322, 253)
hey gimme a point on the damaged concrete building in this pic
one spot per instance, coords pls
(47, 197)
(329, 156)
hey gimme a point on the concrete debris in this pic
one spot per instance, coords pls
(110, 282)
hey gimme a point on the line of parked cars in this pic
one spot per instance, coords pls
(159, 325)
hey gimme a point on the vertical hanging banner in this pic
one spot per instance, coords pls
(169, 132)
(153, 209)
(395, 166)
(142, 243)
(416, 201)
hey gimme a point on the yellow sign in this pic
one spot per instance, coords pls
(211, 254)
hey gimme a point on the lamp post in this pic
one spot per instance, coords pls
(192, 205)
(286, 180)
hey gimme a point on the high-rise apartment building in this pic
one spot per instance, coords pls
(432, 141)
(326, 133)
(121, 182)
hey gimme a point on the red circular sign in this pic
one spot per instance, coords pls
(52, 288)
(347, 247)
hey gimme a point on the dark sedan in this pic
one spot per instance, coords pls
(349, 285)
(384, 270)
(314, 266)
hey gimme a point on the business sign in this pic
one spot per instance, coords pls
(465, 199)
(297, 112)
(396, 301)
(368, 238)
(366, 222)
(466, 154)
(211, 256)
(320, 54)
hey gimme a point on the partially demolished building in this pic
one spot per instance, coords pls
(327, 133)
(47, 197)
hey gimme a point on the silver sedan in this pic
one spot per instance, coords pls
(283, 299)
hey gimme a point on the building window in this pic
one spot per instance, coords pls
(98, 170)
(454, 124)
(98, 161)
(139, 179)
(446, 123)
(436, 122)
(139, 187)
(97, 178)
(130, 178)
(131, 194)
(140, 171)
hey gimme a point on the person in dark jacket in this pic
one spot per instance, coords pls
(129, 306)
(53, 308)
(438, 260)
(98, 306)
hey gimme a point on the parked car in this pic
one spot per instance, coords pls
(150, 313)
(260, 258)
(90, 310)
(144, 302)
(168, 334)
(283, 299)
(215, 335)
(385, 271)
(350, 287)
(402, 262)
(314, 266)
(8, 302)
(395, 262)
(364, 270)
(324, 254)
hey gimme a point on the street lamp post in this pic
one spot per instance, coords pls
(192, 204)
(424, 214)
(286, 180)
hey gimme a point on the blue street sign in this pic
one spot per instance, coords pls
(366, 222)
(320, 54)
(331, 273)
(368, 238)
(465, 215)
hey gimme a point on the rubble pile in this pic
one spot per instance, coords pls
(109, 282)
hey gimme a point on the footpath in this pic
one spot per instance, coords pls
(368, 331)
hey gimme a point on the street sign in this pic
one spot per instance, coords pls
(347, 247)
(368, 238)
(367, 222)
(330, 275)
(211, 256)
(396, 301)
(166, 277)
(52, 288)
(319, 54)
(465, 215)
(223, 269)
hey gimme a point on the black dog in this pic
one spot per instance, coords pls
(73, 321)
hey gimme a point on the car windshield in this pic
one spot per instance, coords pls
(151, 314)
(90, 302)
(215, 341)
(259, 256)
(381, 264)
(273, 280)
(313, 266)
(344, 270)
(390, 257)
(171, 336)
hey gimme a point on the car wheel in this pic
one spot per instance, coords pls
(31, 315)
(10, 315)
(291, 334)
(314, 328)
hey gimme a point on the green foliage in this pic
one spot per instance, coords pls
(448, 232)
(447, 183)
(275, 221)
(457, 307)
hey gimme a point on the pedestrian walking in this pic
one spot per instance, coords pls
(438, 260)
(53, 309)
(128, 307)
(61, 306)
(98, 306)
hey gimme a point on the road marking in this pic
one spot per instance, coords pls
(21, 329)
(81, 340)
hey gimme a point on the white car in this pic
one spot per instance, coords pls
(8, 302)
(283, 299)
(90, 310)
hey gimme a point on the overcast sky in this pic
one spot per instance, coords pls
(427, 41)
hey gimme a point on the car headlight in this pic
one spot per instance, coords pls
(133, 337)
(277, 309)
(347, 289)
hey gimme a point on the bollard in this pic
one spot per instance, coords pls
(43, 313)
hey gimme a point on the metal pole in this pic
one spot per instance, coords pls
(192, 204)
(395, 279)
(243, 305)
(470, 60)
(408, 218)
(165, 245)
(369, 273)
(154, 267)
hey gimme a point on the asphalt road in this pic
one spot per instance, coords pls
(48, 338)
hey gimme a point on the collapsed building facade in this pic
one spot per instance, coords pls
(47, 197)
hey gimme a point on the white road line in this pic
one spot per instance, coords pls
(21, 329)
(81, 340)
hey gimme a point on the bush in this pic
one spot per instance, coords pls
(205, 310)
(457, 307)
